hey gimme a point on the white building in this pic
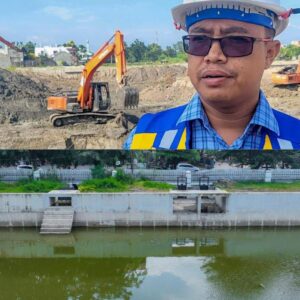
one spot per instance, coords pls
(50, 51)
(296, 43)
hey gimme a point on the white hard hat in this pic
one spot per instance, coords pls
(267, 13)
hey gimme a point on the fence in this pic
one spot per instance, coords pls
(79, 175)
(65, 175)
(219, 175)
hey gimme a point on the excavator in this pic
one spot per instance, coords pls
(287, 76)
(93, 100)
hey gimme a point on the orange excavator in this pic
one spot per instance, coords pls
(93, 100)
(287, 76)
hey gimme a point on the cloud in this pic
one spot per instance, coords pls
(63, 13)
(66, 14)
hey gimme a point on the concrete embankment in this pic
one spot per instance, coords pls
(192, 208)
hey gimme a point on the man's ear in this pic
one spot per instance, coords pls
(273, 49)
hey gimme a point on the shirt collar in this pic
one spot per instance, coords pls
(263, 115)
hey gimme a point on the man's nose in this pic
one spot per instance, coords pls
(215, 54)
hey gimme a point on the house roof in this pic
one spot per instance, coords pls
(8, 44)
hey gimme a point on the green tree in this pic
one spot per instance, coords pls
(29, 50)
(289, 52)
(82, 48)
(136, 51)
(178, 47)
(170, 52)
(71, 44)
(154, 51)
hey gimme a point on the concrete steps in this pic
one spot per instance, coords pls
(57, 220)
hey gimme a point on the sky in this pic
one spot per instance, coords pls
(51, 22)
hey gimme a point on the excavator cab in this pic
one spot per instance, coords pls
(101, 96)
(287, 76)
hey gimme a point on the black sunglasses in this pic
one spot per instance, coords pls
(232, 46)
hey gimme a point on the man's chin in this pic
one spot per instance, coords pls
(216, 96)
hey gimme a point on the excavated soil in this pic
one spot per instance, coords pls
(21, 99)
(24, 120)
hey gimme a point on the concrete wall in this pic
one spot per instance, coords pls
(23, 202)
(4, 61)
(10, 57)
(149, 209)
(90, 202)
(266, 203)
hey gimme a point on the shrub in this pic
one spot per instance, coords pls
(122, 177)
(102, 185)
(98, 172)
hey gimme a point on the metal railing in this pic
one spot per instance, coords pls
(79, 175)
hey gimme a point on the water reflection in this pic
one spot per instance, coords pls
(150, 264)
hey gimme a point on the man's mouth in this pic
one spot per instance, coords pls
(215, 78)
(216, 74)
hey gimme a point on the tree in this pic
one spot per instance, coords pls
(154, 51)
(137, 51)
(289, 52)
(82, 48)
(29, 50)
(170, 52)
(178, 47)
(260, 159)
(71, 44)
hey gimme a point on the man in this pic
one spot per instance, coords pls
(229, 45)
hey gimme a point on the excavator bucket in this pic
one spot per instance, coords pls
(126, 98)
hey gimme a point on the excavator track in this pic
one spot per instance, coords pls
(59, 120)
(54, 116)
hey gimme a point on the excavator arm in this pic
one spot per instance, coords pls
(109, 49)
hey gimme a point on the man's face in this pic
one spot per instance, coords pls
(225, 82)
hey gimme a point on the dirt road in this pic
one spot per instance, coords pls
(24, 120)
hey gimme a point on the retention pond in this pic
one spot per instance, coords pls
(150, 264)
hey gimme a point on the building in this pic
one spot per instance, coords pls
(60, 54)
(64, 59)
(49, 51)
(85, 56)
(295, 43)
(10, 55)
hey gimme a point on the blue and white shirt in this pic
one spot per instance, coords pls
(204, 136)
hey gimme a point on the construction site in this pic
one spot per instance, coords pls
(24, 118)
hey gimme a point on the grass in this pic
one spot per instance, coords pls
(152, 185)
(115, 185)
(30, 186)
(11, 69)
(103, 185)
(262, 186)
(110, 185)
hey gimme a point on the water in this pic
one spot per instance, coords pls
(150, 264)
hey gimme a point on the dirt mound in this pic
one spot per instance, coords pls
(21, 98)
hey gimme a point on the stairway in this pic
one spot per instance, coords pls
(57, 220)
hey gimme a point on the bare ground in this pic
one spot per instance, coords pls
(24, 120)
